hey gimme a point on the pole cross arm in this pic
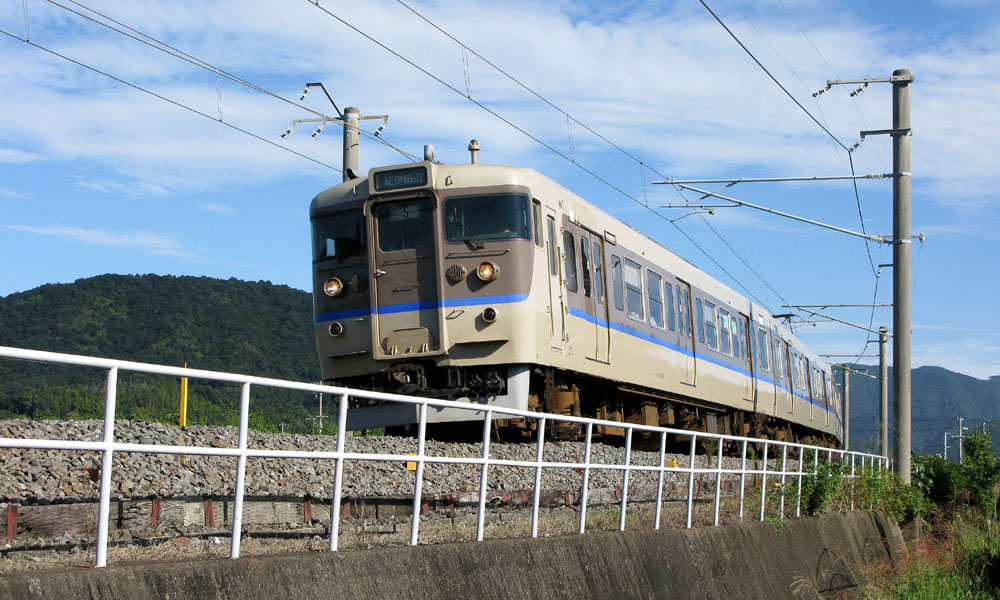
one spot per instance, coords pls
(879, 239)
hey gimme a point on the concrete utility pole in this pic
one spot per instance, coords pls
(847, 406)
(901, 80)
(883, 397)
(961, 438)
(352, 142)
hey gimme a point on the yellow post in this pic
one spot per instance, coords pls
(184, 400)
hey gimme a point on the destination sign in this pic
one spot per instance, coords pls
(400, 178)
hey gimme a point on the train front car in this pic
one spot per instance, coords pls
(420, 276)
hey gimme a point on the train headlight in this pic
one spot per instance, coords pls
(333, 286)
(487, 271)
(336, 328)
(490, 314)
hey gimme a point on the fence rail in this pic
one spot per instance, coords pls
(108, 447)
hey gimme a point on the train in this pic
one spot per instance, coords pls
(495, 285)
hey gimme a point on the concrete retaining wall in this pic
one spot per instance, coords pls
(824, 554)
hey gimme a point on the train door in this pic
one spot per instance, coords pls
(750, 388)
(556, 308)
(685, 330)
(404, 285)
(595, 304)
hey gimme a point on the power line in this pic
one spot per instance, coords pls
(166, 99)
(773, 78)
(152, 42)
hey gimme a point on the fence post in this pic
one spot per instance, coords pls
(586, 479)
(763, 484)
(718, 481)
(539, 449)
(743, 477)
(659, 483)
(241, 469)
(481, 520)
(628, 459)
(338, 473)
(104, 503)
(690, 506)
(781, 496)
(418, 486)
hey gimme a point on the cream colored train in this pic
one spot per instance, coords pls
(495, 285)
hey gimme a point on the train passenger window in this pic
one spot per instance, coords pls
(725, 331)
(711, 335)
(654, 283)
(683, 308)
(569, 261)
(405, 226)
(536, 220)
(598, 272)
(633, 290)
(616, 282)
(669, 305)
(740, 337)
(700, 313)
(762, 346)
(585, 257)
(340, 235)
(550, 224)
(474, 219)
(777, 359)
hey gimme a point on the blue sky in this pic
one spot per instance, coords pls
(99, 177)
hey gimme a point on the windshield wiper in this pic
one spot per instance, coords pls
(476, 244)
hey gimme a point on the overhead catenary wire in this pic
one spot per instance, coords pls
(152, 42)
(773, 78)
(166, 99)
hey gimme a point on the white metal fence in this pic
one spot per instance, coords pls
(858, 462)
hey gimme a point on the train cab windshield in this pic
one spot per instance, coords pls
(339, 236)
(475, 219)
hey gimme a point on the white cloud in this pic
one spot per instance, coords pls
(16, 156)
(151, 243)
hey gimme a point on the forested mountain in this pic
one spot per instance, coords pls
(236, 326)
(938, 398)
(263, 329)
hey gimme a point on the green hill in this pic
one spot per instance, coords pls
(235, 326)
(938, 398)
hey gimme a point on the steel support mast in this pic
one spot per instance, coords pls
(883, 386)
(901, 80)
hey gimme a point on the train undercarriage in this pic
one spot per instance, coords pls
(574, 394)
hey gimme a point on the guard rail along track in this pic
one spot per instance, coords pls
(788, 470)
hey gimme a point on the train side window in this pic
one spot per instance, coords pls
(762, 347)
(616, 282)
(739, 337)
(585, 257)
(711, 334)
(668, 302)
(700, 313)
(569, 260)
(725, 328)
(777, 359)
(654, 284)
(598, 272)
(633, 290)
(536, 215)
(683, 309)
(550, 224)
